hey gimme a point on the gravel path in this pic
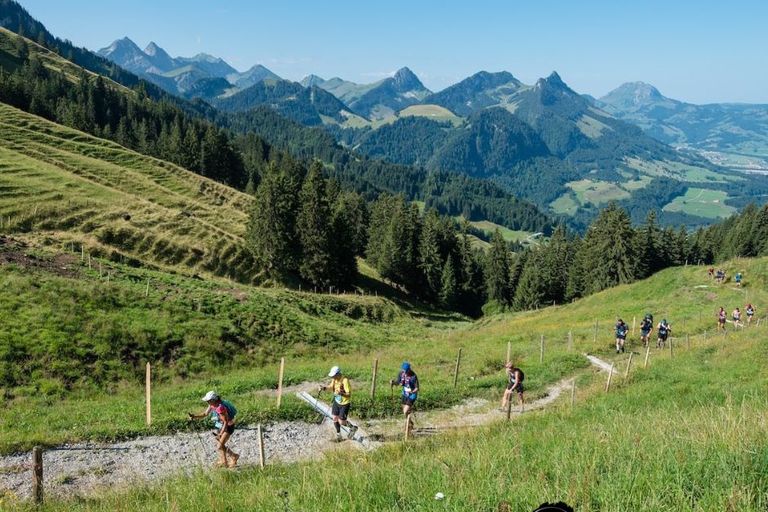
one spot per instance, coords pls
(84, 469)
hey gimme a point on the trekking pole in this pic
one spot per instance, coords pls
(260, 434)
(647, 353)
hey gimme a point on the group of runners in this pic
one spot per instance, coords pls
(663, 330)
(736, 316)
(223, 413)
(719, 276)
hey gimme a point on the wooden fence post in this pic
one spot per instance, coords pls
(671, 353)
(687, 341)
(373, 378)
(260, 433)
(280, 382)
(647, 353)
(148, 386)
(456, 370)
(37, 475)
(629, 364)
(634, 319)
(610, 375)
(509, 352)
(509, 408)
(570, 341)
(146, 290)
(594, 336)
(573, 392)
(541, 350)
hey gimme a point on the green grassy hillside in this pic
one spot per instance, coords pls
(704, 386)
(74, 190)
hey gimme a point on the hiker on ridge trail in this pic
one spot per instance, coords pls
(646, 326)
(711, 272)
(342, 393)
(736, 315)
(721, 318)
(515, 378)
(223, 415)
(410, 382)
(664, 329)
(750, 309)
(737, 278)
(621, 335)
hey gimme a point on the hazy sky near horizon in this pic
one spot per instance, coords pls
(698, 51)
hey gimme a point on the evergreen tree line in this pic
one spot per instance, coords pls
(303, 225)
(158, 129)
(612, 252)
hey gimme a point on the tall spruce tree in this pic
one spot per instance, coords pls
(272, 226)
(449, 290)
(314, 230)
(497, 270)
(610, 250)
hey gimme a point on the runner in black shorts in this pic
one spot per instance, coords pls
(342, 393)
(515, 377)
(410, 382)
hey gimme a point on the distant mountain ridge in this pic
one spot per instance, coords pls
(378, 100)
(180, 75)
(739, 129)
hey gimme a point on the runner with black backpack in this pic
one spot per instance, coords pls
(664, 330)
(646, 327)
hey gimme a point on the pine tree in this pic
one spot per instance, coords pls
(609, 251)
(449, 292)
(314, 230)
(272, 226)
(497, 270)
(430, 259)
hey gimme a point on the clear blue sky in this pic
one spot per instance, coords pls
(698, 51)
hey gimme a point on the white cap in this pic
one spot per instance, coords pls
(334, 371)
(211, 395)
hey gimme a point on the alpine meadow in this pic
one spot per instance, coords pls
(245, 283)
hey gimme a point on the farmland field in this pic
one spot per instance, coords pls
(701, 202)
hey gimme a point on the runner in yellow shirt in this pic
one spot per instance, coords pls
(342, 392)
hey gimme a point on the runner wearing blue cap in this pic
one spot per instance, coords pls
(410, 382)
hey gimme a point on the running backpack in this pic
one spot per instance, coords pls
(231, 409)
(522, 375)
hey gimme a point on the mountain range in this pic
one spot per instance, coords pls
(569, 153)
(378, 100)
(180, 75)
(732, 134)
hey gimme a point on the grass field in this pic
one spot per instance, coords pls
(566, 204)
(597, 192)
(677, 170)
(71, 189)
(687, 434)
(702, 202)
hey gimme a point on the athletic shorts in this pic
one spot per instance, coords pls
(520, 389)
(663, 337)
(229, 429)
(340, 410)
(407, 400)
(645, 334)
(721, 321)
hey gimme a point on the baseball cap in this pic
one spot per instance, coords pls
(334, 371)
(211, 395)
(405, 366)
